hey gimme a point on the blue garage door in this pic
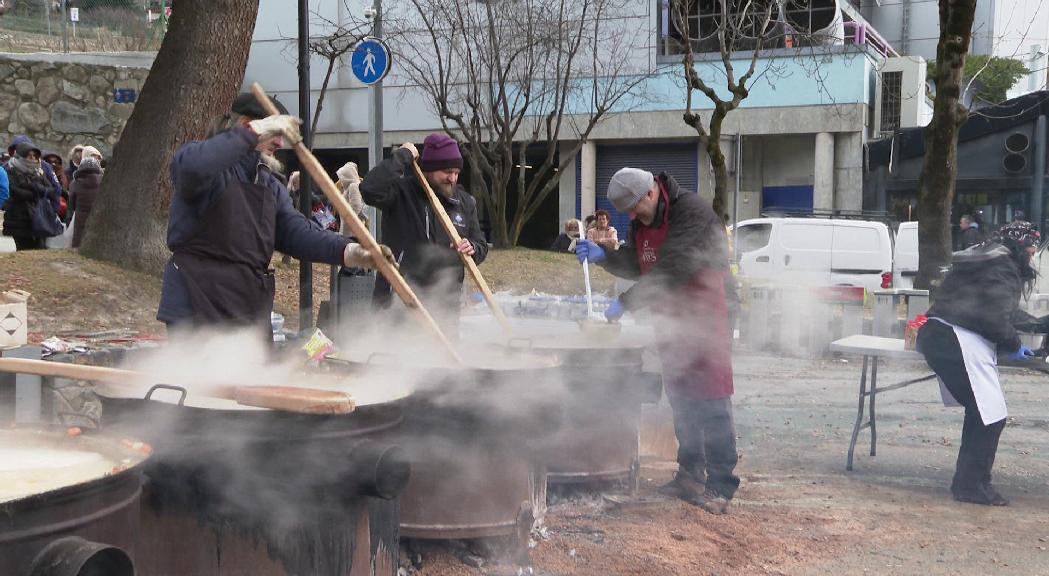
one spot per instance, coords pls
(787, 198)
(678, 160)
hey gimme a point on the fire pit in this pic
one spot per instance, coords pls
(241, 490)
(471, 433)
(603, 389)
(69, 504)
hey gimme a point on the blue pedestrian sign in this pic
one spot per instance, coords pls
(370, 61)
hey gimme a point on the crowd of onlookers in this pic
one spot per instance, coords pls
(598, 228)
(42, 195)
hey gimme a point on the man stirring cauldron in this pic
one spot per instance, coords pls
(428, 259)
(678, 252)
(228, 214)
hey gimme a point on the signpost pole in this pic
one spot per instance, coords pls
(375, 113)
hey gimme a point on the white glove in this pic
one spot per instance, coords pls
(412, 148)
(356, 256)
(348, 172)
(277, 125)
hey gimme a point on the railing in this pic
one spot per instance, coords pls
(863, 34)
(83, 25)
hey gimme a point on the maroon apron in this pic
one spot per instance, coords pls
(693, 329)
(225, 262)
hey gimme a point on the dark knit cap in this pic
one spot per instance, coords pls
(246, 104)
(440, 152)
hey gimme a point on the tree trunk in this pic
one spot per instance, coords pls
(717, 164)
(196, 75)
(940, 165)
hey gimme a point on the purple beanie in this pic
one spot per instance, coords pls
(440, 152)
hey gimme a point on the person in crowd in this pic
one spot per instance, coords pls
(5, 189)
(678, 253)
(429, 260)
(75, 154)
(228, 214)
(349, 183)
(55, 161)
(92, 152)
(603, 233)
(969, 232)
(55, 197)
(970, 325)
(28, 186)
(566, 241)
(589, 222)
(86, 182)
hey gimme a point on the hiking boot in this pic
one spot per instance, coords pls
(684, 487)
(985, 495)
(715, 503)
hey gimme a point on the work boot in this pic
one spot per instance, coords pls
(984, 494)
(715, 503)
(684, 487)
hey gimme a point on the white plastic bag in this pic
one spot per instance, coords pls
(65, 239)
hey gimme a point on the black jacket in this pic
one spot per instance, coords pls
(26, 191)
(412, 231)
(981, 293)
(696, 241)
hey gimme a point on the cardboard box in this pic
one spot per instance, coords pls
(13, 318)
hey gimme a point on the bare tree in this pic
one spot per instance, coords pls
(730, 27)
(196, 75)
(940, 165)
(509, 78)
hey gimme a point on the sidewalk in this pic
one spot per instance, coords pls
(7, 243)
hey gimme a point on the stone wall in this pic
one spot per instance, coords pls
(61, 104)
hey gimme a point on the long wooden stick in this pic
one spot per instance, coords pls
(468, 261)
(361, 232)
(287, 399)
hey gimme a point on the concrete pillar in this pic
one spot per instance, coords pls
(566, 188)
(588, 165)
(848, 171)
(823, 179)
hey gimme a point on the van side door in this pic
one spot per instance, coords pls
(802, 253)
(861, 253)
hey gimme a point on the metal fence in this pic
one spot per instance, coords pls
(82, 25)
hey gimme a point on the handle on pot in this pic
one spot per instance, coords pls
(179, 389)
(379, 355)
(519, 342)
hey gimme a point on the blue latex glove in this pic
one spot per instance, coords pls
(1024, 353)
(587, 250)
(615, 311)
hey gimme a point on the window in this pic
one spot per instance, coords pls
(891, 100)
(752, 237)
(704, 20)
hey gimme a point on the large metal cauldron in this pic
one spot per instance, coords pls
(472, 435)
(603, 387)
(241, 490)
(78, 523)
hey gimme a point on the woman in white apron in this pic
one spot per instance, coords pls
(970, 323)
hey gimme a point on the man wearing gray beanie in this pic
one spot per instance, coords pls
(428, 259)
(677, 250)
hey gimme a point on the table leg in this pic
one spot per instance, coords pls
(874, 394)
(859, 414)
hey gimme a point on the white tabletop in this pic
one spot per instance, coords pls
(873, 346)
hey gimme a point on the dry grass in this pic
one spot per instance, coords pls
(71, 293)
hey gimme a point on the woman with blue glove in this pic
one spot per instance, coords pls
(970, 323)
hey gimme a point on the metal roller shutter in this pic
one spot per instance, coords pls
(678, 160)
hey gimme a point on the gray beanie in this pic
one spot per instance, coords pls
(628, 186)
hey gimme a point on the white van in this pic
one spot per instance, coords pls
(905, 256)
(815, 252)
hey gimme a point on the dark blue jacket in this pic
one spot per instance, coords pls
(200, 173)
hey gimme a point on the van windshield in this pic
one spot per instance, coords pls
(752, 237)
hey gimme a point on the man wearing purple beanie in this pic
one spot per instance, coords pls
(428, 259)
